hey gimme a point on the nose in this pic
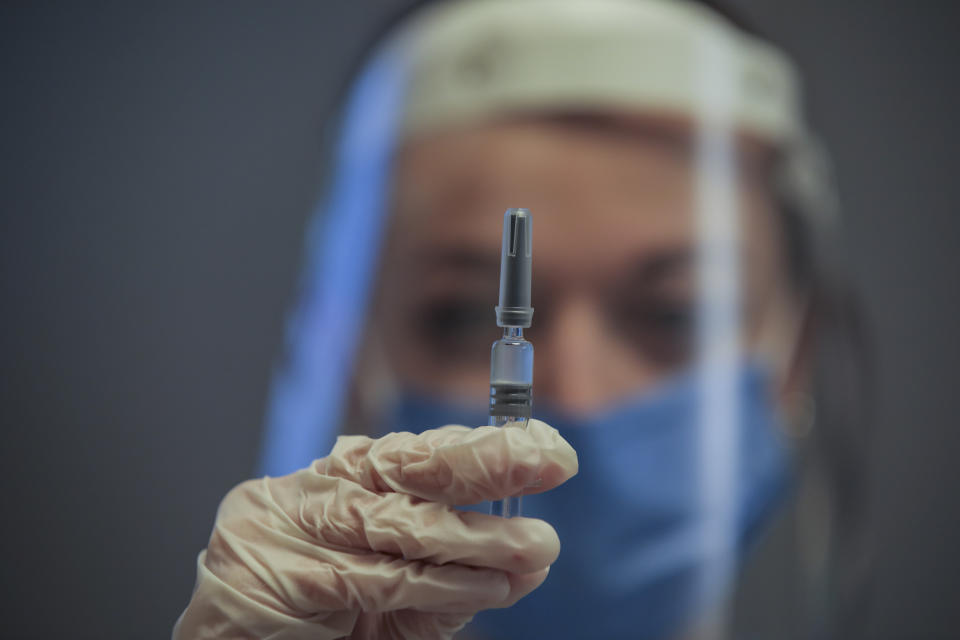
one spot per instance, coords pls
(582, 366)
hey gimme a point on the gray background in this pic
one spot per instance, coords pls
(157, 168)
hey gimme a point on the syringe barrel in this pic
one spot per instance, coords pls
(511, 376)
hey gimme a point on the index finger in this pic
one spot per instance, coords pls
(456, 464)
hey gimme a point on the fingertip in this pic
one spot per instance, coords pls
(542, 537)
(560, 461)
(521, 585)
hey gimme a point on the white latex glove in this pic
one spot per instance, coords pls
(364, 543)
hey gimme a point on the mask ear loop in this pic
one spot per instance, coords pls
(814, 519)
(815, 522)
(800, 404)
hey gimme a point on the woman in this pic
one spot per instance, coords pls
(681, 212)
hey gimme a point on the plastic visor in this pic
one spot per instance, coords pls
(307, 403)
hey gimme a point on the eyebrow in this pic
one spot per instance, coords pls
(662, 263)
(645, 269)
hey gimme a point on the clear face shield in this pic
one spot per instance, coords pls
(648, 142)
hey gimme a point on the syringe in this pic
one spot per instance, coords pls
(511, 358)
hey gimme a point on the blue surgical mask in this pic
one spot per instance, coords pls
(631, 521)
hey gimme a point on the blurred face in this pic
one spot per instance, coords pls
(614, 241)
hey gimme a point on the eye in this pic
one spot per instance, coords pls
(661, 328)
(457, 323)
(667, 317)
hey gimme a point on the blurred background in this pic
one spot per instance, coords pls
(159, 165)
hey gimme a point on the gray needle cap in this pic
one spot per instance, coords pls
(514, 309)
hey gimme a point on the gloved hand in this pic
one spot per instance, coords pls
(364, 543)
